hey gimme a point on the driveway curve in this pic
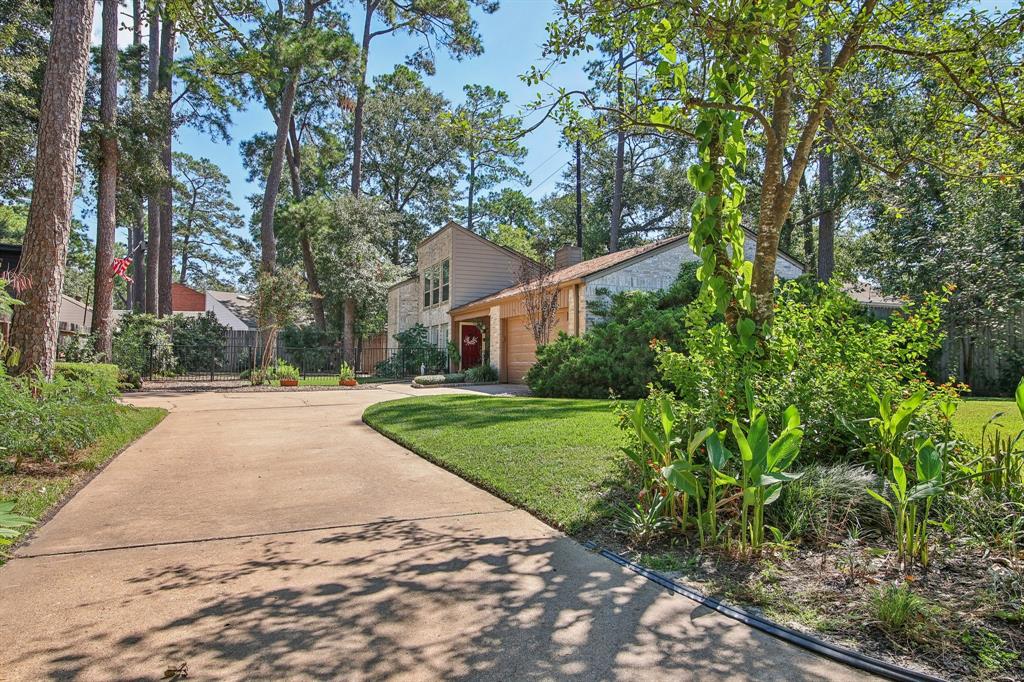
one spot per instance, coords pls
(275, 536)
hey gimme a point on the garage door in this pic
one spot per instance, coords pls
(519, 352)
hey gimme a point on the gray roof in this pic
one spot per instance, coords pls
(240, 304)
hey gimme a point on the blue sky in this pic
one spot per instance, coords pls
(512, 38)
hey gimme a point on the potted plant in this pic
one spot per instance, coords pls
(287, 375)
(346, 375)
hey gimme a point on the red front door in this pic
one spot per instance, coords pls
(472, 346)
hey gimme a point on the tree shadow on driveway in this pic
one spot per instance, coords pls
(454, 598)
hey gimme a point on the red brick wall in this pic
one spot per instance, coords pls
(186, 299)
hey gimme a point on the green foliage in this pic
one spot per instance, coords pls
(11, 524)
(282, 370)
(682, 461)
(414, 354)
(48, 420)
(199, 342)
(899, 611)
(825, 503)
(822, 353)
(914, 470)
(101, 378)
(616, 354)
(437, 379)
(207, 247)
(141, 342)
(345, 372)
(481, 374)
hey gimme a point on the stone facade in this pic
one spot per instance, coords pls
(660, 270)
(652, 273)
(403, 306)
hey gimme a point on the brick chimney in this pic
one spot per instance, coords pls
(568, 255)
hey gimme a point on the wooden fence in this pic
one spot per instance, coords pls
(997, 358)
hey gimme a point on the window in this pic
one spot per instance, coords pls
(444, 281)
(435, 284)
(433, 335)
(442, 341)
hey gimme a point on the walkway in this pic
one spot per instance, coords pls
(274, 536)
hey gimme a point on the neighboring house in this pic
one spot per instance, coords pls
(231, 309)
(484, 301)
(74, 317)
(874, 301)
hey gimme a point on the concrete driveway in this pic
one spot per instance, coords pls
(274, 536)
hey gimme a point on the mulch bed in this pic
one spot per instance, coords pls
(827, 592)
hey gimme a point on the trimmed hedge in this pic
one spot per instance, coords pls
(437, 379)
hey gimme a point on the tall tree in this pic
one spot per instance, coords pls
(23, 31)
(34, 328)
(758, 73)
(488, 138)
(445, 23)
(137, 239)
(826, 186)
(412, 160)
(207, 242)
(153, 200)
(165, 86)
(106, 220)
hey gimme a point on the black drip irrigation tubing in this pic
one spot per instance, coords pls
(840, 654)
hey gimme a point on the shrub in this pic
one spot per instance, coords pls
(141, 343)
(415, 355)
(48, 420)
(198, 342)
(102, 378)
(615, 355)
(79, 348)
(345, 372)
(481, 374)
(435, 379)
(822, 353)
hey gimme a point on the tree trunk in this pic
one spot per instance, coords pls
(312, 281)
(45, 246)
(153, 200)
(615, 224)
(106, 208)
(357, 115)
(826, 193)
(167, 191)
(348, 336)
(268, 242)
(471, 193)
(183, 272)
(137, 250)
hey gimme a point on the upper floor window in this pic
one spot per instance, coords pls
(436, 287)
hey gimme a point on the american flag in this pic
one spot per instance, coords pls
(119, 268)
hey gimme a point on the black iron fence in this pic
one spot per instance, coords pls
(234, 359)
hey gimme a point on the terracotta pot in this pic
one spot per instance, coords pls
(348, 382)
(289, 382)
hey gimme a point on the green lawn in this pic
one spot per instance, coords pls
(556, 458)
(36, 494)
(972, 415)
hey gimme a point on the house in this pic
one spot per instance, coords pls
(74, 317)
(470, 286)
(231, 309)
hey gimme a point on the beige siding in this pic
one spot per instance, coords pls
(479, 268)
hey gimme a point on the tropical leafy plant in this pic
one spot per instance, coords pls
(11, 524)
(345, 372)
(283, 370)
